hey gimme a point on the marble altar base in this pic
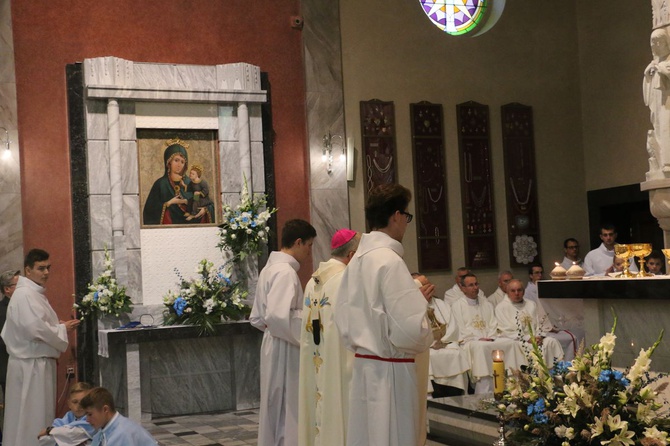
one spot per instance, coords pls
(168, 371)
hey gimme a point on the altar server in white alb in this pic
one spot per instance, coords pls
(277, 311)
(35, 338)
(515, 313)
(597, 261)
(381, 316)
(325, 365)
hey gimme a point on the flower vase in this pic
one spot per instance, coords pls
(111, 321)
(246, 271)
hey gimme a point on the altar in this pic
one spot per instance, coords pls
(166, 371)
(640, 305)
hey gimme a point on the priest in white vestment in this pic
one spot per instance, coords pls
(571, 250)
(325, 365)
(478, 334)
(449, 364)
(499, 294)
(454, 293)
(277, 311)
(567, 340)
(381, 316)
(35, 338)
(515, 314)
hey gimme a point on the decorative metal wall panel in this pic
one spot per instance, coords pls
(430, 186)
(378, 134)
(523, 223)
(476, 185)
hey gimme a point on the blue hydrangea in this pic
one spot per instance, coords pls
(179, 305)
(605, 376)
(560, 368)
(540, 418)
(616, 375)
(95, 297)
(538, 407)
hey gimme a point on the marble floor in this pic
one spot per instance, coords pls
(223, 429)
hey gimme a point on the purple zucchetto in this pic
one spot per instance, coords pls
(341, 238)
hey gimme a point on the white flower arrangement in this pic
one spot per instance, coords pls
(207, 300)
(245, 230)
(586, 402)
(105, 296)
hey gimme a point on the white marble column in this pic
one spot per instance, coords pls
(245, 143)
(133, 386)
(11, 237)
(116, 191)
(329, 199)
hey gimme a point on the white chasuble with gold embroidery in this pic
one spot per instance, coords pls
(325, 368)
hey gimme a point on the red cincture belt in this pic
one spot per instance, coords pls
(378, 358)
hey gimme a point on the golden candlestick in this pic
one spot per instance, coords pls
(498, 357)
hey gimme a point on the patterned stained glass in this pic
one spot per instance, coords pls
(455, 16)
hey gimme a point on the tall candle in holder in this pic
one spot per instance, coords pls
(498, 373)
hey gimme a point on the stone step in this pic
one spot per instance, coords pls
(461, 421)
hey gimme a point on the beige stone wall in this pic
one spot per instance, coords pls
(532, 56)
(614, 51)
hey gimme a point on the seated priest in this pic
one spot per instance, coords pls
(567, 339)
(449, 363)
(514, 315)
(499, 294)
(478, 335)
(454, 293)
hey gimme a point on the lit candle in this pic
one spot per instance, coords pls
(498, 373)
(558, 273)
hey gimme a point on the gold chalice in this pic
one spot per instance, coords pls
(666, 253)
(624, 253)
(641, 250)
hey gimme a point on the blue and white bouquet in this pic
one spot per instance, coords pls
(207, 300)
(585, 401)
(105, 296)
(245, 229)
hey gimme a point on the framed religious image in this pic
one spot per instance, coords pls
(430, 186)
(479, 221)
(179, 177)
(379, 145)
(523, 222)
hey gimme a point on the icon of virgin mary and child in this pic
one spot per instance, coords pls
(181, 195)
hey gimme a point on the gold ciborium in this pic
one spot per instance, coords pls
(624, 253)
(666, 253)
(641, 250)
